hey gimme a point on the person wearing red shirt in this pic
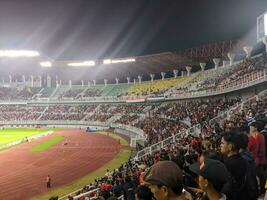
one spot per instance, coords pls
(255, 128)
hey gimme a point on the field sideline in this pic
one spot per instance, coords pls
(9, 135)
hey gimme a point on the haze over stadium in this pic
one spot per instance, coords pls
(126, 99)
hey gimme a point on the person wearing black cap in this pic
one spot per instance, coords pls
(165, 181)
(241, 184)
(212, 175)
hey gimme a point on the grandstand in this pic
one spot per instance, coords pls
(128, 113)
(152, 113)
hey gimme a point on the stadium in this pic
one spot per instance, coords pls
(186, 119)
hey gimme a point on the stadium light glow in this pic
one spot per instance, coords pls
(82, 64)
(109, 61)
(18, 53)
(46, 64)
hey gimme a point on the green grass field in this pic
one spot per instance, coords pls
(47, 144)
(14, 134)
(121, 157)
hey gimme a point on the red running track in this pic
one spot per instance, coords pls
(23, 173)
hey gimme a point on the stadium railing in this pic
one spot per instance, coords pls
(226, 114)
(94, 191)
(158, 146)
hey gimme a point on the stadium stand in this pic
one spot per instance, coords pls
(46, 92)
(155, 88)
(18, 93)
(186, 132)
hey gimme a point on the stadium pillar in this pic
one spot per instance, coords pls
(216, 62)
(139, 79)
(57, 84)
(152, 77)
(70, 83)
(175, 72)
(32, 80)
(23, 79)
(82, 83)
(188, 69)
(89, 84)
(117, 81)
(182, 73)
(224, 63)
(248, 50)
(134, 80)
(10, 78)
(60, 82)
(231, 57)
(105, 82)
(40, 81)
(128, 80)
(264, 40)
(94, 82)
(202, 65)
(48, 81)
(162, 75)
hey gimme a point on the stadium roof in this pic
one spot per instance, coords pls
(82, 29)
(143, 65)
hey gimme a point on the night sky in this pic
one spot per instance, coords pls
(92, 29)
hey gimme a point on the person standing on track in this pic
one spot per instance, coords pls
(48, 181)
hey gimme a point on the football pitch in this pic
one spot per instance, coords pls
(14, 134)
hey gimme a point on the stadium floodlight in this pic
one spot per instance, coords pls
(109, 61)
(18, 53)
(46, 64)
(82, 64)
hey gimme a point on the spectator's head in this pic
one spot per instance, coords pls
(212, 174)
(143, 193)
(231, 143)
(256, 126)
(244, 128)
(165, 180)
(209, 155)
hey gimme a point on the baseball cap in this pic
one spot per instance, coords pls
(259, 125)
(212, 170)
(165, 173)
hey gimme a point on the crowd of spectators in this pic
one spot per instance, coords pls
(72, 93)
(227, 163)
(92, 92)
(247, 70)
(20, 112)
(158, 120)
(17, 93)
